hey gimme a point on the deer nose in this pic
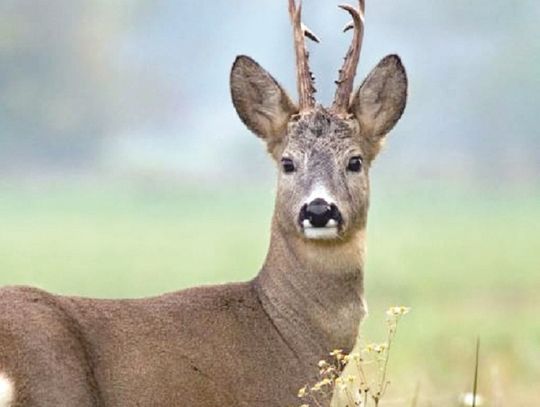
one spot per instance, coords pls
(319, 212)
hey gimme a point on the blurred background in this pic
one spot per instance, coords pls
(125, 172)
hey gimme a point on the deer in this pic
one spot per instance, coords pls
(252, 343)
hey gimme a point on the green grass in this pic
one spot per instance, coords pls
(466, 262)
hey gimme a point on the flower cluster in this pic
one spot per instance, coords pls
(356, 379)
(397, 311)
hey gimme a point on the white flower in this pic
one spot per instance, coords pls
(467, 399)
(397, 311)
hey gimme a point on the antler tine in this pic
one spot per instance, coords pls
(348, 71)
(306, 87)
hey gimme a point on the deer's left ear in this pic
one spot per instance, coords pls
(379, 102)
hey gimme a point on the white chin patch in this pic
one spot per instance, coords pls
(330, 231)
(6, 391)
(321, 233)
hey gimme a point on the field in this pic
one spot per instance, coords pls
(466, 261)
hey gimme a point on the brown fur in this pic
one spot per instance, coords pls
(249, 344)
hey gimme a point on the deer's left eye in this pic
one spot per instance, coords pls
(355, 164)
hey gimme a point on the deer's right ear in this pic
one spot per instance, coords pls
(262, 104)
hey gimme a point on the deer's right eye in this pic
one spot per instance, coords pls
(287, 165)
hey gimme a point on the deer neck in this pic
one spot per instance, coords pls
(313, 290)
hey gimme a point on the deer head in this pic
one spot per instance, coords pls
(324, 154)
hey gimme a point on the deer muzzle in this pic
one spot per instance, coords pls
(320, 219)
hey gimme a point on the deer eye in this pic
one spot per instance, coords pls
(287, 165)
(355, 164)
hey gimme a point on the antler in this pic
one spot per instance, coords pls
(305, 79)
(348, 71)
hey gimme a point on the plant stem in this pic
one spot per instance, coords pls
(475, 384)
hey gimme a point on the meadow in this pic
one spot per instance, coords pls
(465, 260)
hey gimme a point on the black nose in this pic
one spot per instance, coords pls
(319, 212)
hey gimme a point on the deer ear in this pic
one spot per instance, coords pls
(262, 104)
(379, 102)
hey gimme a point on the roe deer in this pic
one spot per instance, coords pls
(247, 344)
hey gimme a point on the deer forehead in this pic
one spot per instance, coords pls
(321, 134)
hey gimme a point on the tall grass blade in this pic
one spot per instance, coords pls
(414, 402)
(475, 383)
